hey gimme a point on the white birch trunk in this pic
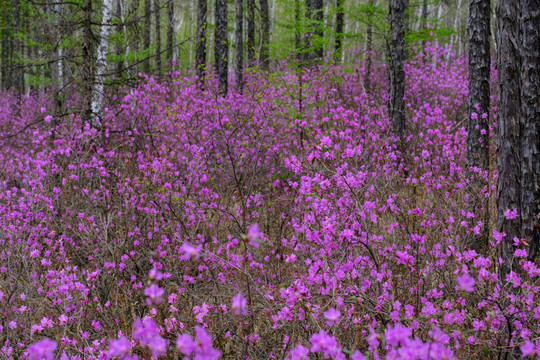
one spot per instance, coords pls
(101, 62)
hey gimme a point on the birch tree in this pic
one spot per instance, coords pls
(101, 62)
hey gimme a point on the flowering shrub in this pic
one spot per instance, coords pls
(263, 226)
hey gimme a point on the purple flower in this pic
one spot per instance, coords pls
(254, 235)
(465, 283)
(119, 347)
(239, 304)
(185, 344)
(190, 252)
(398, 334)
(332, 316)
(42, 350)
(299, 353)
(511, 214)
(154, 294)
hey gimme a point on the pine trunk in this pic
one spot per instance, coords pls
(397, 73)
(530, 124)
(221, 46)
(508, 118)
(478, 120)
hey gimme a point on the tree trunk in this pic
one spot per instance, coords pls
(239, 44)
(87, 66)
(298, 32)
(134, 22)
(101, 62)
(147, 34)
(339, 30)
(200, 56)
(478, 120)
(18, 73)
(530, 124)
(265, 25)
(157, 15)
(251, 32)
(221, 46)
(508, 118)
(397, 74)
(369, 47)
(314, 40)
(170, 33)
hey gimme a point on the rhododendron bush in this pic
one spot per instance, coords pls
(271, 225)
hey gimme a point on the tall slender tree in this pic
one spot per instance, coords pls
(315, 16)
(157, 24)
(369, 45)
(221, 46)
(147, 34)
(101, 62)
(251, 32)
(340, 17)
(478, 120)
(508, 118)
(265, 38)
(200, 54)
(171, 33)
(239, 44)
(397, 73)
(530, 124)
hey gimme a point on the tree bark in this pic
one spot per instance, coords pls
(508, 118)
(17, 69)
(239, 44)
(315, 15)
(200, 55)
(170, 33)
(479, 63)
(265, 25)
(478, 120)
(369, 47)
(251, 32)
(157, 19)
(221, 46)
(147, 34)
(340, 15)
(397, 73)
(87, 66)
(101, 63)
(530, 124)
(134, 22)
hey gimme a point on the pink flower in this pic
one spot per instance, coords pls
(42, 350)
(332, 316)
(299, 353)
(465, 283)
(511, 214)
(154, 294)
(119, 347)
(185, 344)
(239, 304)
(254, 235)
